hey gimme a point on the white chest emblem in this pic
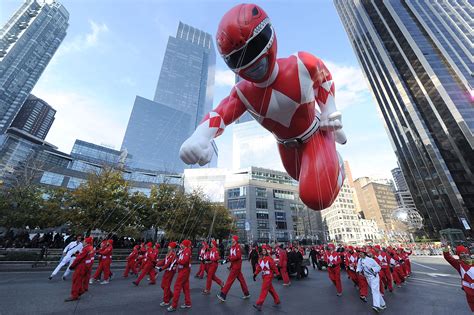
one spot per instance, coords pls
(352, 258)
(264, 265)
(181, 256)
(233, 252)
(212, 255)
(332, 258)
(469, 272)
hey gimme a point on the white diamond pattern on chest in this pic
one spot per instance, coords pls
(281, 108)
(232, 252)
(332, 258)
(212, 255)
(181, 256)
(306, 83)
(264, 265)
(469, 272)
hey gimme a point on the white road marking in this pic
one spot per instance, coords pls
(418, 264)
(436, 282)
(431, 274)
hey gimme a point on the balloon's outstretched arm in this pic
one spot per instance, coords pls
(197, 149)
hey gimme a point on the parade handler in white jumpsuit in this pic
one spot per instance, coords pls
(68, 257)
(370, 269)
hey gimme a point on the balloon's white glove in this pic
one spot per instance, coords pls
(196, 149)
(333, 122)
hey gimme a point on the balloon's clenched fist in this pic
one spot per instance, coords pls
(196, 150)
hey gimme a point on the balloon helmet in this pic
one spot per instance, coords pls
(247, 42)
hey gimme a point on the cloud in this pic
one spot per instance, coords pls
(83, 116)
(351, 86)
(225, 78)
(85, 41)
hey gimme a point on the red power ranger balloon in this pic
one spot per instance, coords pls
(291, 97)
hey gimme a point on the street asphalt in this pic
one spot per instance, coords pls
(434, 288)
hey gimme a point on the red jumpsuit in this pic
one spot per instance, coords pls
(467, 276)
(107, 260)
(407, 265)
(397, 273)
(141, 257)
(82, 266)
(351, 265)
(131, 263)
(100, 267)
(182, 281)
(235, 259)
(149, 264)
(212, 268)
(202, 265)
(385, 275)
(267, 266)
(283, 262)
(169, 266)
(334, 269)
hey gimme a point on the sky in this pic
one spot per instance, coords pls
(114, 50)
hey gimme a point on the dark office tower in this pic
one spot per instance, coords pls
(400, 182)
(186, 80)
(28, 41)
(417, 59)
(35, 117)
(156, 129)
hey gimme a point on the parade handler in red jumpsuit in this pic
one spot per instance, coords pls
(465, 267)
(202, 265)
(212, 268)
(149, 265)
(283, 263)
(82, 266)
(169, 266)
(333, 260)
(132, 262)
(292, 97)
(235, 258)
(182, 281)
(267, 267)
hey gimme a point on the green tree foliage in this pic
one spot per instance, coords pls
(105, 202)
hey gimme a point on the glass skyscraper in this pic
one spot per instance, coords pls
(184, 94)
(28, 41)
(35, 117)
(417, 59)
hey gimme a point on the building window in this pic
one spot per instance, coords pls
(52, 179)
(262, 215)
(283, 194)
(261, 192)
(261, 203)
(263, 224)
(240, 214)
(237, 192)
(236, 203)
(280, 216)
(279, 204)
(281, 225)
(75, 182)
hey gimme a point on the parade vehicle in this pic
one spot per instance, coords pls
(292, 268)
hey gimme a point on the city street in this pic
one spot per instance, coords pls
(434, 288)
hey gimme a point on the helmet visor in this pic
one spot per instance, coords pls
(252, 50)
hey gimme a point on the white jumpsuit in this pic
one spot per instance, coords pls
(68, 251)
(371, 269)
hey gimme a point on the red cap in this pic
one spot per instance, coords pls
(149, 244)
(267, 247)
(136, 247)
(111, 242)
(461, 250)
(89, 240)
(331, 246)
(214, 243)
(186, 243)
(172, 245)
(157, 245)
(351, 248)
(377, 247)
(235, 238)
